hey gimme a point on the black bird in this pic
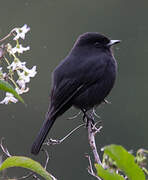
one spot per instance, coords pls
(83, 79)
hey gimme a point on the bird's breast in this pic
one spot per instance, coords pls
(97, 92)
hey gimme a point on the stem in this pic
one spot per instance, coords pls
(145, 170)
(7, 36)
(7, 61)
(13, 82)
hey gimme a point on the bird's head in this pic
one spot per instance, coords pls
(94, 40)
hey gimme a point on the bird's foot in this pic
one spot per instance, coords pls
(89, 116)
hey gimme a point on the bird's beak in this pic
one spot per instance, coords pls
(112, 42)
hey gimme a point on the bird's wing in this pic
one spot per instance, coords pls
(62, 96)
(68, 88)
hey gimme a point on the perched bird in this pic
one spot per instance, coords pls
(83, 79)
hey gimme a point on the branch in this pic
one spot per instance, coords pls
(92, 131)
(55, 141)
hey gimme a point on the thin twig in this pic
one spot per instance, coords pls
(46, 163)
(90, 168)
(8, 35)
(53, 177)
(26, 176)
(75, 116)
(94, 112)
(47, 158)
(54, 141)
(5, 150)
(35, 177)
(106, 101)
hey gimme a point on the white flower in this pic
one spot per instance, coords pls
(9, 48)
(21, 32)
(16, 64)
(22, 90)
(19, 49)
(21, 83)
(9, 98)
(31, 72)
(26, 74)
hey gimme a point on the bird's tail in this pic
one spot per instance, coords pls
(52, 114)
(42, 134)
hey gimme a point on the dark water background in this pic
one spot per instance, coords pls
(54, 27)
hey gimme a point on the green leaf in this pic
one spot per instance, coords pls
(5, 86)
(125, 161)
(20, 161)
(106, 174)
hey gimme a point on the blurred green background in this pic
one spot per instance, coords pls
(55, 26)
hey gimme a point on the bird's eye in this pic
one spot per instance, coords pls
(97, 44)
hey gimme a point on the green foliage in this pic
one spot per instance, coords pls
(5, 86)
(106, 174)
(25, 162)
(121, 160)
